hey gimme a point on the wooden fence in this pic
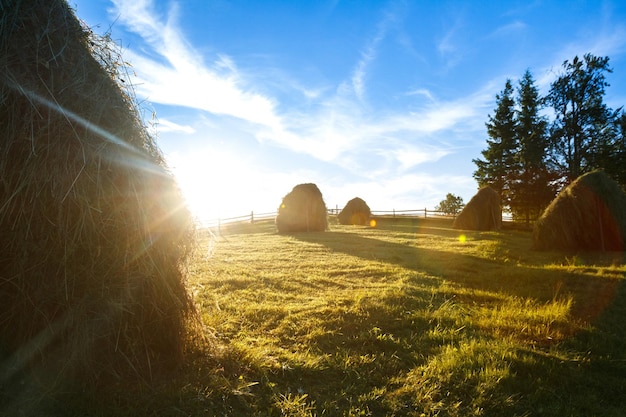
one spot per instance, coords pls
(246, 218)
(254, 217)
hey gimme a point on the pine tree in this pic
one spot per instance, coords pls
(526, 163)
(532, 188)
(496, 170)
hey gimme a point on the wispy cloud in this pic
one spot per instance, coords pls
(403, 190)
(421, 92)
(171, 72)
(408, 138)
(369, 53)
(334, 127)
(449, 46)
(164, 125)
(508, 29)
(446, 46)
(611, 43)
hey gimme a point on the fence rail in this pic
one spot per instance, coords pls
(246, 218)
(253, 217)
(424, 213)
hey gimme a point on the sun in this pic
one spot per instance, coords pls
(215, 184)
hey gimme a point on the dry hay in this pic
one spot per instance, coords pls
(589, 214)
(302, 210)
(483, 212)
(93, 232)
(356, 212)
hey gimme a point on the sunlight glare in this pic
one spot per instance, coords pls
(462, 238)
(215, 184)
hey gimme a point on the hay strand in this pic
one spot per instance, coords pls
(589, 215)
(94, 234)
(483, 212)
(356, 212)
(302, 210)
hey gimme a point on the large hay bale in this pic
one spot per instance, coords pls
(589, 214)
(483, 212)
(302, 210)
(93, 230)
(356, 212)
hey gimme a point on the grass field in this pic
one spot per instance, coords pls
(410, 318)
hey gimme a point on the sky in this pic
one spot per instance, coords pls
(382, 100)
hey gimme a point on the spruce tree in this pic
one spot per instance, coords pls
(532, 188)
(498, 166)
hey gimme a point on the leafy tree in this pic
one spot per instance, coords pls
(499, 158)
(611, 155)
(582, 124)
(532, 186)
(452, 205)
(619, 153)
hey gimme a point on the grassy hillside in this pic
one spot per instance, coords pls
(410, 318)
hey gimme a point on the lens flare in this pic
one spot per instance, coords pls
(462, 238)
(373, 223)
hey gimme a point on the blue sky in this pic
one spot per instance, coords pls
(384, 100)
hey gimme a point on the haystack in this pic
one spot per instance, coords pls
(93, 230)
(302, 210)
(356, 212)
(589, 214)
(483, 212)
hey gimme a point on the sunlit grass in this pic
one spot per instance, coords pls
(402, 319)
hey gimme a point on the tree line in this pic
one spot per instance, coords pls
(537, 145)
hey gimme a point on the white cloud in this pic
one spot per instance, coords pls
(604, 43)
(450, 45)
(369, 53)
(446, 45)
(421, 92)
(164, 125)
(410, 155)
(401, 192)
(333, 128)
(175, 76)
(509, 29)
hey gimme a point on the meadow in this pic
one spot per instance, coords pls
(408, 318)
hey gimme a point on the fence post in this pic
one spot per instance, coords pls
(252, 217)
(394, 213)
(425, 213)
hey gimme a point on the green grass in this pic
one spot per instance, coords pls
(405, 319)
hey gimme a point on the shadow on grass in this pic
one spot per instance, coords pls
(584, 374)
(587, 378)
(412, 224)
(481, 281)
(364, 349)
(473, 272)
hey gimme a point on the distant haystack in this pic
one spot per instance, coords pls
(94, 232)
(483, 212)
(590, 214)
(356, 212)
(302, 210)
